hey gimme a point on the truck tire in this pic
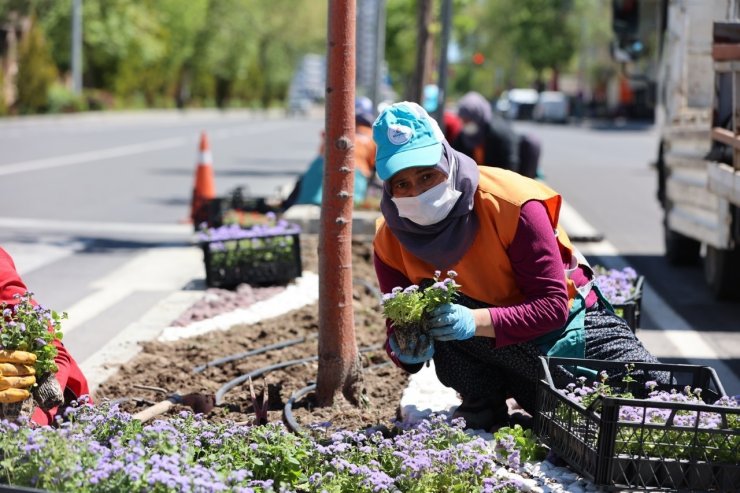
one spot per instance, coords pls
(722, 271)
(680, 249)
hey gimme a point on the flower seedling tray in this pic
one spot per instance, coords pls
(258, 259)
(617, 453)
(213, 212)
(631, 308)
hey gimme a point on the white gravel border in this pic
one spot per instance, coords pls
(303, 292)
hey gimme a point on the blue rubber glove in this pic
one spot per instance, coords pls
(452, 322)
(408, 357)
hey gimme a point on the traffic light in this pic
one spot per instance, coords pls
(478, 58)
(626, 46)
(625, 17)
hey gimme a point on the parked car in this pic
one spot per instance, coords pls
(517, 104)
(552, 106)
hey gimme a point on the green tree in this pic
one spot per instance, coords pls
(36, 71)
(543, 34)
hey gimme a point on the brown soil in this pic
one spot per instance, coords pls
(169, 365)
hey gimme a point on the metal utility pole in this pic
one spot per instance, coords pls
(444, 42)
(339, 364)
(77, 46)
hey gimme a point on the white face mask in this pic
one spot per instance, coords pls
(433, 205)
(470, 128)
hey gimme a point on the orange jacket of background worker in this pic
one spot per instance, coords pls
(364, 143)
(69, 375)
(365, 150)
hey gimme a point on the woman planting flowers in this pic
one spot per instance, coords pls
(524, 292)
(33, 361)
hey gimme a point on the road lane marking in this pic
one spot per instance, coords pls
(94, 227)
(696, 341)
(160, 269)
(687, 342)
(126, 150)
(90, 156)
(577, 228)
(28, 257)
(105, 362)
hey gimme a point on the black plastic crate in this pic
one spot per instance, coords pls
(265, 260)
(618, 454)
(631, 308)
(212, 212)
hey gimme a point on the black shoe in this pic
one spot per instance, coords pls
(524, 420)
(481, 413)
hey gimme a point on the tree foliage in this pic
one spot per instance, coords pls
(162, 52)
(36, 71)
(244, 52)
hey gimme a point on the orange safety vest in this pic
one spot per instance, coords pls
(365, 151)
(484, 271)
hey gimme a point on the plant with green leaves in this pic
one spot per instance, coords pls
(101, 448)
(408, 308)
(516, 445)
(660, 420)
(28, 327)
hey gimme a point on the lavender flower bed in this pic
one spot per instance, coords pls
(102, 449)
(264, 254)
(624, 433)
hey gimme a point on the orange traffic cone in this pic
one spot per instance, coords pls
(205, 184)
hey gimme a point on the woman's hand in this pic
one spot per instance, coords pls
(408, 357)
(452, 322)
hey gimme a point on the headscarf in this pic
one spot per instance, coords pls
(442, 244)
(475, 108)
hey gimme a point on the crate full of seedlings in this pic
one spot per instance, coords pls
(645, 426)
(623, 289)
(262, 255)
(236, 207)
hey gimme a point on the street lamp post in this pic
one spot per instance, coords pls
(77, 46)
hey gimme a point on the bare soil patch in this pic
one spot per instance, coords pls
(170, 365)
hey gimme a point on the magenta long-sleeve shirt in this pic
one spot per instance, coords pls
(538, 267)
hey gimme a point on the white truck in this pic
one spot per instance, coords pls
(696, 67)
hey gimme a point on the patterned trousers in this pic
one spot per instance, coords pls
(477, 370)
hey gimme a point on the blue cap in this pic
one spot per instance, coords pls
(406, 136)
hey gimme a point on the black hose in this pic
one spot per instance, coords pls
(252, 352)
(290, 420)
(255, 373)
(252, 374)
(279, 345)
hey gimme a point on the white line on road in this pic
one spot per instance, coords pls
(28, 257)
(688, 343)
(94, 227)
(86, 157)
(161, 269)
(126, 150)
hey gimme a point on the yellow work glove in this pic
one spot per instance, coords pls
(17, 375)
